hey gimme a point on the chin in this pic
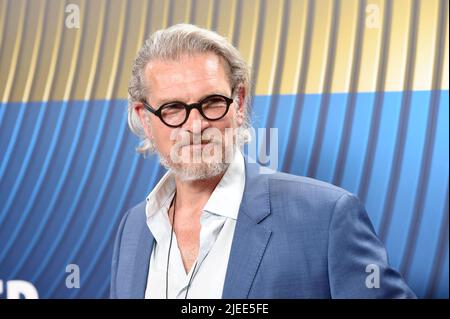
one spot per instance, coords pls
(191, 165)
(197, 171)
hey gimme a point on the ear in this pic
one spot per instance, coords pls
(241, 94)
(144, 119)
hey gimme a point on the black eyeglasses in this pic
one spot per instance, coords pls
(175, 114)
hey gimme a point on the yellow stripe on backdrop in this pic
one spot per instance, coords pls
(444, 82)
(398, 46)
(41, 58)
(271, 36)
(248, 29)
(295, 46)
(10, 49)
(319, 46)
(345, 46)
(426, 45)
(372, 44)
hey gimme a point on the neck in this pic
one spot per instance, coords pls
(193, 195)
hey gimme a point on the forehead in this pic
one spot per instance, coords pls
(187, 77)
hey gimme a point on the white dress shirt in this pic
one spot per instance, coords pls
(217, 220)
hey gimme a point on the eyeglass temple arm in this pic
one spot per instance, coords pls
(149, 108)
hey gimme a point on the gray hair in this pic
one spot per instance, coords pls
(170, 44)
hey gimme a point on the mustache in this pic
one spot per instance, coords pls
(197, 140)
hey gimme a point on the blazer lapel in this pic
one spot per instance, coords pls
(250, 237)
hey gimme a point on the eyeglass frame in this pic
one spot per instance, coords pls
(188, 108)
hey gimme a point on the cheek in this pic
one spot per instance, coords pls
(162, 138)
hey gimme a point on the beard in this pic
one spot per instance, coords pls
(189, 161)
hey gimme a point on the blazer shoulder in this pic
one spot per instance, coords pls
(137, 213)
(133, 220)
(305, 186)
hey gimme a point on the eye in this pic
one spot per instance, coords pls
(214, 101)
(172, 108)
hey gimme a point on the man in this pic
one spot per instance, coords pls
(214, 226)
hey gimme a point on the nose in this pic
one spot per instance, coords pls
(195, 122)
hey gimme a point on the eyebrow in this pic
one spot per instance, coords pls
(170, 100)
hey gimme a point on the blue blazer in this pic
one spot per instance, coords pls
(295, 237)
